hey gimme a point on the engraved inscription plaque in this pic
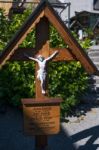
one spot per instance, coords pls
(41, 118)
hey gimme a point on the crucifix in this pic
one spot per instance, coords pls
(43, 53)
(41, 56)
(43, 48)
(42, 72)
(41, 115)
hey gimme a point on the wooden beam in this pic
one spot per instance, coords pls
(19, 54)
(69, 40)
(42, 44)
(42, 37)
(42, 47)
(64, 54)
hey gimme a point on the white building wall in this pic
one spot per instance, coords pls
(80, 5)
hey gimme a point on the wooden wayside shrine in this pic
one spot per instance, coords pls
(42, 114)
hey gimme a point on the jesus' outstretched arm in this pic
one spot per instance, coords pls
(32, 58)
(52, 56)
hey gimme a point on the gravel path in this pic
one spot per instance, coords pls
(80, 133)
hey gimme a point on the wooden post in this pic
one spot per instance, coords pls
(42, 45)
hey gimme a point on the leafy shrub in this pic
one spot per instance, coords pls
(16, 82)
(67, 80)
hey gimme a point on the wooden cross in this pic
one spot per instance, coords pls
(42, 48)
(40, 19)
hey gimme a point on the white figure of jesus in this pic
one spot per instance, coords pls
(42, 72)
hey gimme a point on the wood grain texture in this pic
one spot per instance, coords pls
(40, 101)
(41, 116)
(42, 45)
(64, 54)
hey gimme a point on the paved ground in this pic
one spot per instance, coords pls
(80, 133)
(84, 130)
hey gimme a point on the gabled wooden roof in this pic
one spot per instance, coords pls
(44, 9)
